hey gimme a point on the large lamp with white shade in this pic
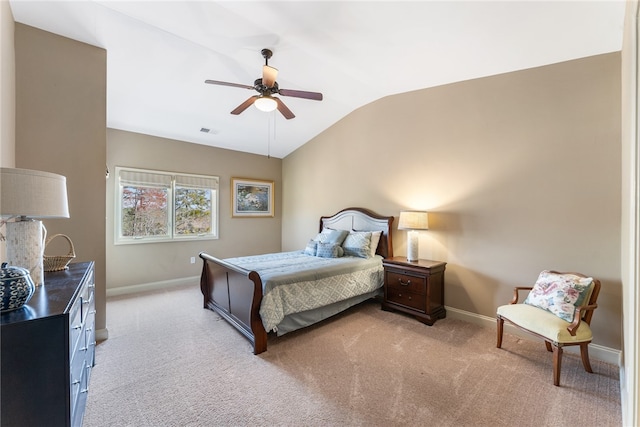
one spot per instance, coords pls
(26, 196)
(413, 221)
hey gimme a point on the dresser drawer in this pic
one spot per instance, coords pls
(76, 371)
(406, 298)
(90, 337)
(81, 399)
(87, 296)
(75, 326)
(406, 282)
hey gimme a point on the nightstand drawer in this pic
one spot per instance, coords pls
(408, 299)
(405, 282)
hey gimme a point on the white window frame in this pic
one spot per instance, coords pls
(126, 176)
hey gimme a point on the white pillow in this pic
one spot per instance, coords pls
(375, 238)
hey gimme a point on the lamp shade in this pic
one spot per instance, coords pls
(413, 220)
(33, 194)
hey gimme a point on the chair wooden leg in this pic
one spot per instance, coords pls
(557, 364)
(500, 321)
(548, 344)
(584, 353)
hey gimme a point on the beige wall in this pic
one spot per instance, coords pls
(520, 172)
(142, 264)
(8, 92)
(7, 95)
(61, 128)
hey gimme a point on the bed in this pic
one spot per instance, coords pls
(245, 290)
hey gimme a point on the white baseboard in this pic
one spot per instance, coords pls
(102, 334)
(153, 286)
(605, 354)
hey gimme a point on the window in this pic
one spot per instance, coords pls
(154, 206)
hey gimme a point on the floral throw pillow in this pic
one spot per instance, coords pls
(560, 294)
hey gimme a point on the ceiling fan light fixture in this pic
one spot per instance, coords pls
(266, 104)
(266, 86)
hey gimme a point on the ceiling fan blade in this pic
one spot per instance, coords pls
(284, 109)
(301, 94)
(216, 82)
(269, 75)
(246, 104)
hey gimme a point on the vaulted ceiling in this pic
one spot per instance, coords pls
(159, 54)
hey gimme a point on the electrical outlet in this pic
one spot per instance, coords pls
(193, 260)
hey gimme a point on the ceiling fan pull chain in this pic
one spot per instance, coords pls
(269, 136)
(273, 115)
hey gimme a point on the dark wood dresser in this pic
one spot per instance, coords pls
(415, 288)
(47, 350)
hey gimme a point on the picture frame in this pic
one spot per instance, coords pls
(251, 197)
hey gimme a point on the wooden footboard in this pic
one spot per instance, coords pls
(235, 294)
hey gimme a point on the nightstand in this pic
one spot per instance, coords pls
(416, 288)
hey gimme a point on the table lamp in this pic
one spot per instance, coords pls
(413, 221)
(26, 196)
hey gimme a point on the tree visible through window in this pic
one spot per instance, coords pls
(144, 211)
(193, 211)
(154, 206)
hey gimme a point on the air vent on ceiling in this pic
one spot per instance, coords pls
(207, 130)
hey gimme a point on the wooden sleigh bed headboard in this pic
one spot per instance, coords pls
(360, 219)
(236, 293)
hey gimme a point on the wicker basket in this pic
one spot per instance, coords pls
(58, 262)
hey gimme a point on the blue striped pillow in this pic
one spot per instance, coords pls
(311, 248)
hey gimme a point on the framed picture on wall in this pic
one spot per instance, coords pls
(251, 197)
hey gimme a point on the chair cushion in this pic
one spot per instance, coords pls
(560, 293)
(544, 323)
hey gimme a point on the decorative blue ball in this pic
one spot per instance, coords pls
(16, 287)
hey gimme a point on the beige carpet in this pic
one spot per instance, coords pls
(169, 362)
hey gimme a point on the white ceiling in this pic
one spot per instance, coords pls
(159, 54)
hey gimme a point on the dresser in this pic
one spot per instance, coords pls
(48, 350)
(416, 288)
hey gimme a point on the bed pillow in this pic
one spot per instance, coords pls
(560, 294)
(327, 250)
(311, 248)
(328, 235)
(375, 239)
(358, 244)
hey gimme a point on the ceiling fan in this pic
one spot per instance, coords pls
(266, 87)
